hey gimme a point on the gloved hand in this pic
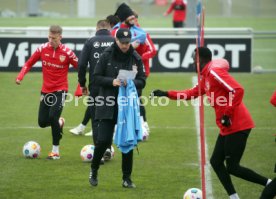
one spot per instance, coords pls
(159, 93)
(226, 121)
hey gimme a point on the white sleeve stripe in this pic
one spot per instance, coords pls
(222, 81)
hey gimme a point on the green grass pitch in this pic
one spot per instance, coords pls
(166, 166)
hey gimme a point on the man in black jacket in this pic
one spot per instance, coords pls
(120, 55)
(90, 54)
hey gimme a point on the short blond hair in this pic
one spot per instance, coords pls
(55, 29)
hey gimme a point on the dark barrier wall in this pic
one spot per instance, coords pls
(174, 54)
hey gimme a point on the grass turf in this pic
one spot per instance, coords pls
(166, 166)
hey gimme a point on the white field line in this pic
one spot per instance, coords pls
(209, 189)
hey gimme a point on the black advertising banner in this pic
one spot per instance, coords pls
(173, 54)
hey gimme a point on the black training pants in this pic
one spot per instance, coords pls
(104, 140)
(50, 108)
(230, 148)
(270, 190)
(87, 116)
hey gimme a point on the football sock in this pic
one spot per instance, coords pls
(268, 181)
(234, 196)
(55, 149)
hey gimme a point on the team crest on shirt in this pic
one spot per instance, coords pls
(62, 58)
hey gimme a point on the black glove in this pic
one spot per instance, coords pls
(158, 93)
(226, 121)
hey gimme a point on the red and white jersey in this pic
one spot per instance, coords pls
(225, 96)
(179, 8)
(55, 65)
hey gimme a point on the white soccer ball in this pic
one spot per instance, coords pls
(193, 193)
(87, 153)
(31, 149)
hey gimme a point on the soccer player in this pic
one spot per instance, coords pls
(91, 52)
(232, 117)
(120, 55)
(179, 8)
(147, 51)
(56, 58)
(88, 57)
(142, 43)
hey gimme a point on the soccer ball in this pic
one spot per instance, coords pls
(193, 193)
(87, 153)
(31, 149)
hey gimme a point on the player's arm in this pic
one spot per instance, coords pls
(170, 9)
(151, 50)
(73, 59)
(83, 63)
(234, 89)
(187, 94)
(28, 65)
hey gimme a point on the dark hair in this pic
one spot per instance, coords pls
(112, 20)
(204, 53)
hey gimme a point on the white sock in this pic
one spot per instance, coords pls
(268, 181)
(55, 149)
(82, 125)
(234, 196)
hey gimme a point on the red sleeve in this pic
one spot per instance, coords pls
(186, 94)
(170, 8)
(29, 64)
(151, 50)
(73, 59)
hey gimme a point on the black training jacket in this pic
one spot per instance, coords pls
(90, 54)
(107, 69)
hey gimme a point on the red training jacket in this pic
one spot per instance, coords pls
(179, 7)
(224, 94)
(273, 99)
(147, 54)
(55, 65)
